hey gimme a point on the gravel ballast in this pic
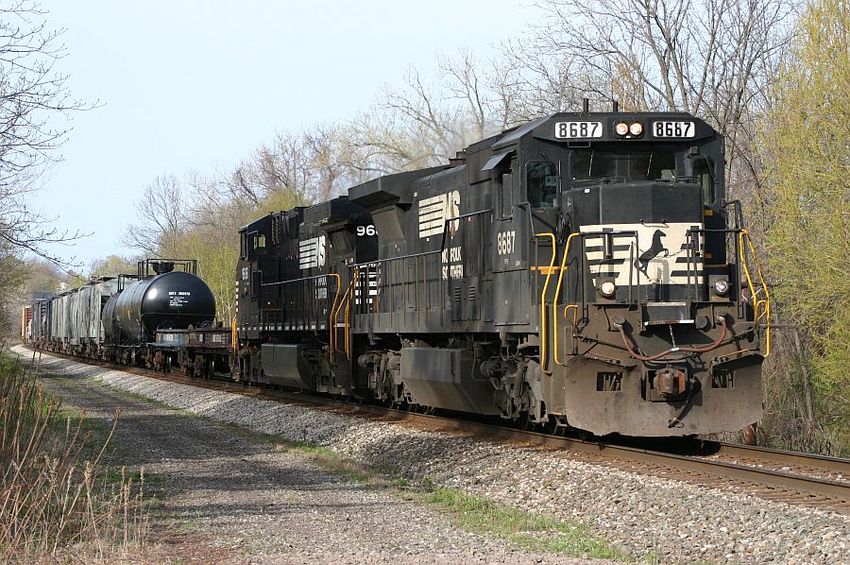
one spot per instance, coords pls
(661, 519)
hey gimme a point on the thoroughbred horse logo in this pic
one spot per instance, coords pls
(657, 248)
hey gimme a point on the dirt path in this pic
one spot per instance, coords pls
(227, 495)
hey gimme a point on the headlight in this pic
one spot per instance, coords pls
(608, 288)
(622, 128)
(636, 129)
(721, 287)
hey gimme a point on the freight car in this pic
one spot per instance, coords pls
(583, 270)
(117, 318)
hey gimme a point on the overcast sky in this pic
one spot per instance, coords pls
(200, 84)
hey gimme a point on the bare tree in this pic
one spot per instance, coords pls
(532, 79)
(713, 58)
(420, 124)
(33, 94)
(161, 218)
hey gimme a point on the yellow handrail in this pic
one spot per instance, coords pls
(335, 317)
(347, 333)
(338, 310)
(331, 319)
(551, 236)
(557, 293)
(574, 308)
(742, 237)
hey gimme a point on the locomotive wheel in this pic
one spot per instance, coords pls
(524, 422)
(550, 426)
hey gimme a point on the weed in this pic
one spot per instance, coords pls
(54, 493)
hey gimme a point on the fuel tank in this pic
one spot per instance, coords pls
(171, 300)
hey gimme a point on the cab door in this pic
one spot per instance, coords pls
(509, 247)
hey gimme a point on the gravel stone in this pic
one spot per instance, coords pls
(666, 520)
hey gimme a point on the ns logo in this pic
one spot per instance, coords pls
(656, 249)
(435, 210)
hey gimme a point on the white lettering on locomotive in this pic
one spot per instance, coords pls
(311, 253)
(505, 242)
(435, 210)
(452, 263)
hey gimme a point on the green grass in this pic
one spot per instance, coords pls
(330, 461)
(530, 531)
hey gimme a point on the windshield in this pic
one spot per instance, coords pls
(588, 165)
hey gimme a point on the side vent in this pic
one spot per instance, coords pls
(609, 381)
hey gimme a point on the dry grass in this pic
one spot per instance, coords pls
(56, 497)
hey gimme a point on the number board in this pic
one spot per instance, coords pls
(673, 129)
(577, 130)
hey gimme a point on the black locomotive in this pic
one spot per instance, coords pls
(581, 270)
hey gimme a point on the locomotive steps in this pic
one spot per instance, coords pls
(646, 515)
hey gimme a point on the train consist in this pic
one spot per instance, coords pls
(583, 270)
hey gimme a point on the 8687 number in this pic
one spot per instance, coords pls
(673, 129)
(506, 242)
(573, 130)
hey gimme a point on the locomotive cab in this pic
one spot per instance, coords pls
(640, 308)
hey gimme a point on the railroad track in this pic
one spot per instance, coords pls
(792, 477)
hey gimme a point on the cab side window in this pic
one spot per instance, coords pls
(243, 246)
(541, 180)
(506, 195)
(259, 244)
(705, 178)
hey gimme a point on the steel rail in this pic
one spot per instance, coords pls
(813, 460)
(814, 486)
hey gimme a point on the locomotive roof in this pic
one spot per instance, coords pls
(389, 189)
(514, 135)
(543, 128)
(332, 211)
(297, 211)
(396, 188)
